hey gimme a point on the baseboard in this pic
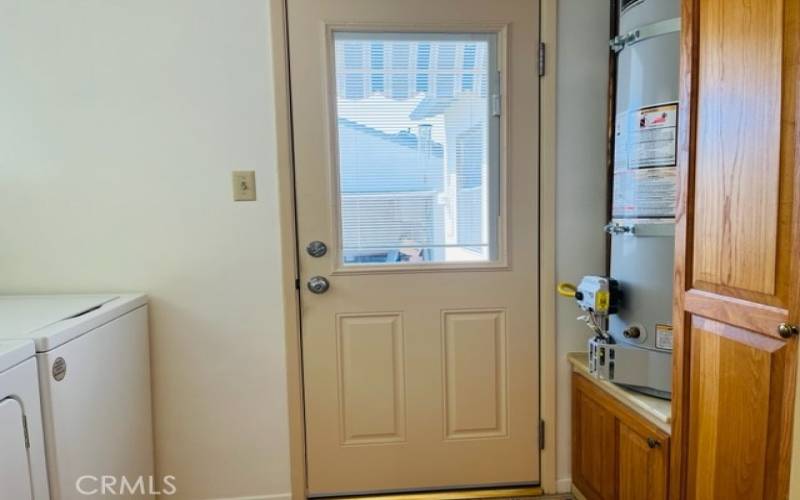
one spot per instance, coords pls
(564, 485)
(282, 496)
(577, 493)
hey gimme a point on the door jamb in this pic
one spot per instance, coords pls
(548, 354)
(279, 42)
(288, 246)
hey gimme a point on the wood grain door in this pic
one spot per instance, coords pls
(642, 463)
(737, 250)
(416, 163)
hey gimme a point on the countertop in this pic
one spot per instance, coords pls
(658, 411)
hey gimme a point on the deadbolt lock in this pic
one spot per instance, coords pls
(317, 248)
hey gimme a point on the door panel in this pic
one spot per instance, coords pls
(733, 375)
(476, 404)
(737, 163)
(642, 469)
(737, 274)
(415, 130)
(370, 347)
(594, 451)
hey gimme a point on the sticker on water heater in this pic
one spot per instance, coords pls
(653, 137)
(664, 337)
(648, 192)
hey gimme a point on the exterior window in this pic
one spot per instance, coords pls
(376, 63)
(467, 82)
(468, 78)
(376, 56)
(469, 57)
(377, 83)
(424, 56)
(422, 82)
(423, 64)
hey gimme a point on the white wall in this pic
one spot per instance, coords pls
(120, 121)
(581, 181)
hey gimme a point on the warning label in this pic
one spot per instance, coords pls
(645, 193)
(664, 337)
(645, 155)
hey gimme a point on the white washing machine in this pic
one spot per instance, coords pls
(23, 473)
(94, 380)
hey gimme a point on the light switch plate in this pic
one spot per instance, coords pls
(244, 185)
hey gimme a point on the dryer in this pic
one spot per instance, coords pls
(94, 379)
(23, 473)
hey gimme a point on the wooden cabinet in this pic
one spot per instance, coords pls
(737, 276)
(616, 454)
(642, 468)
(593, 443)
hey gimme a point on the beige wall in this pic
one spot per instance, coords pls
(581, 181)
(120, 121)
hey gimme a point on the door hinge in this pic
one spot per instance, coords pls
(297, 283)
(541, 434)
(542, 58)
(497, 98)
(497, 105)
(25, 430)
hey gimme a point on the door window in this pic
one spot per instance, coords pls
(418, 147)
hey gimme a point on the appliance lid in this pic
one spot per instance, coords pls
(52, 320)
(14, 352)
(21, 315)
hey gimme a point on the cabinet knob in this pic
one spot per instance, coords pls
(652, 443)
(787, 330)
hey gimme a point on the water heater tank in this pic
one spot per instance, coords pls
(644, 188)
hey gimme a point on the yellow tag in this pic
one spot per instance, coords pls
(601, 301)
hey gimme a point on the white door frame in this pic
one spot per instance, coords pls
(288, 244)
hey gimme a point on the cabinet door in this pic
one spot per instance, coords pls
(593, 443)
(642, 465)
(737, 247)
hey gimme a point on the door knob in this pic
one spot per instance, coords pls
(652, 443)
(318, 284)
(787, 330)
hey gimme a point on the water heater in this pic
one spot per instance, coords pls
(643, 210)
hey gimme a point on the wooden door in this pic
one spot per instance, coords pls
(737, 250)
(416, 164)
(594, 447)
(642, 462)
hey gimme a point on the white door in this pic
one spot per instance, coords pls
(15, 475)
(416, 162)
